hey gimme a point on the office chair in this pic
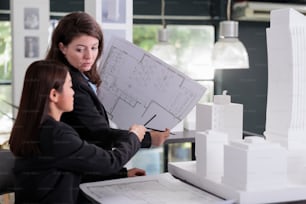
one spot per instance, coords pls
(7, 161)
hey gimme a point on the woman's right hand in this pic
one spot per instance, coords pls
(138, 130)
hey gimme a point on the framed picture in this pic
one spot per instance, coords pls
(31, 18)
(115, 16)
(31, 46)
(114, 11)
(30, 24)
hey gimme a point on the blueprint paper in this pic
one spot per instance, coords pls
(162, 188)
(137, 86)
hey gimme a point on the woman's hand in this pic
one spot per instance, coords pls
(158, 138)
(136, 172)
(138, 130)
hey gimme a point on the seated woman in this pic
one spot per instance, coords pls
(51, 157)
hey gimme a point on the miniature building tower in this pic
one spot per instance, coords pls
(221, 115)
(210, 154)
(286, 103)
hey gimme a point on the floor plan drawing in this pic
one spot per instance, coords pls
(138, 87)
(144, 190)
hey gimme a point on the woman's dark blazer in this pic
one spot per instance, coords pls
(55, 175)
(89, 117)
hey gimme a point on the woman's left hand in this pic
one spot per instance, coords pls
(136, 172)
(158, 138)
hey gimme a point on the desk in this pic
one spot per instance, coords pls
(187, 136)
(162, 188)
(179, 137)
(186, 171)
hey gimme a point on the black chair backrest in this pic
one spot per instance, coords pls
(7, 162)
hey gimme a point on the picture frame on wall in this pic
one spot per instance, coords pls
(31, 18)
(114, 11)
(115, 17)
(30, 34)
(31, 48)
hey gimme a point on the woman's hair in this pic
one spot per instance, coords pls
(72, 26)
(40, 78)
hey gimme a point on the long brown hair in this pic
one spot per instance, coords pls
(41, 76)
(69, 27)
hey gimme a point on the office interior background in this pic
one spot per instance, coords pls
(193, 28)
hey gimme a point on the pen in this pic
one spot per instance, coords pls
(171, 133)
(150, 120)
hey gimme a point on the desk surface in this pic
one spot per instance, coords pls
(179, 137)
(187, 172)
(161, 188)
(189, 136)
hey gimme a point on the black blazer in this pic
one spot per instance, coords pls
(89, 117)
(55, 175)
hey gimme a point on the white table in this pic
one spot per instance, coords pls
(186, 171)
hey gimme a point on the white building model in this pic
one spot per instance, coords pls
(286, 104)
(221, 115)
(258, 170)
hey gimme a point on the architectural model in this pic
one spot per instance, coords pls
(258, 169)
(221, 115)
(286, 112)
(210, 154)
(255, 164)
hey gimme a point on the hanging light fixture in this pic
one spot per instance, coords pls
(163, 49)
(229, 52)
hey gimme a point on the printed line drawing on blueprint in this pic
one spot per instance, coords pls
(139, 190)
(137, 86)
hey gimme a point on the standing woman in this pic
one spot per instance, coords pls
(51, 157)
(77, 41)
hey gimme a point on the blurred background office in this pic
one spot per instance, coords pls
(182, 33)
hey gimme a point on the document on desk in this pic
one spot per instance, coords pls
(161, 189)
(137, 87)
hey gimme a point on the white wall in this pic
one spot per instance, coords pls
(30, 23)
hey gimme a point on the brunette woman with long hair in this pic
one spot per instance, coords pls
(51, 158)
(77, 41)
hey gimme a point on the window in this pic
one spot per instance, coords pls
(5, 77)
(193, 45)
(193, 48)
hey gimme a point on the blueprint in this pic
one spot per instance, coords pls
(138, 88)
(162, 188)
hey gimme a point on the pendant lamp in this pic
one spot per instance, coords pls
(163, 49)
(228, 51)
